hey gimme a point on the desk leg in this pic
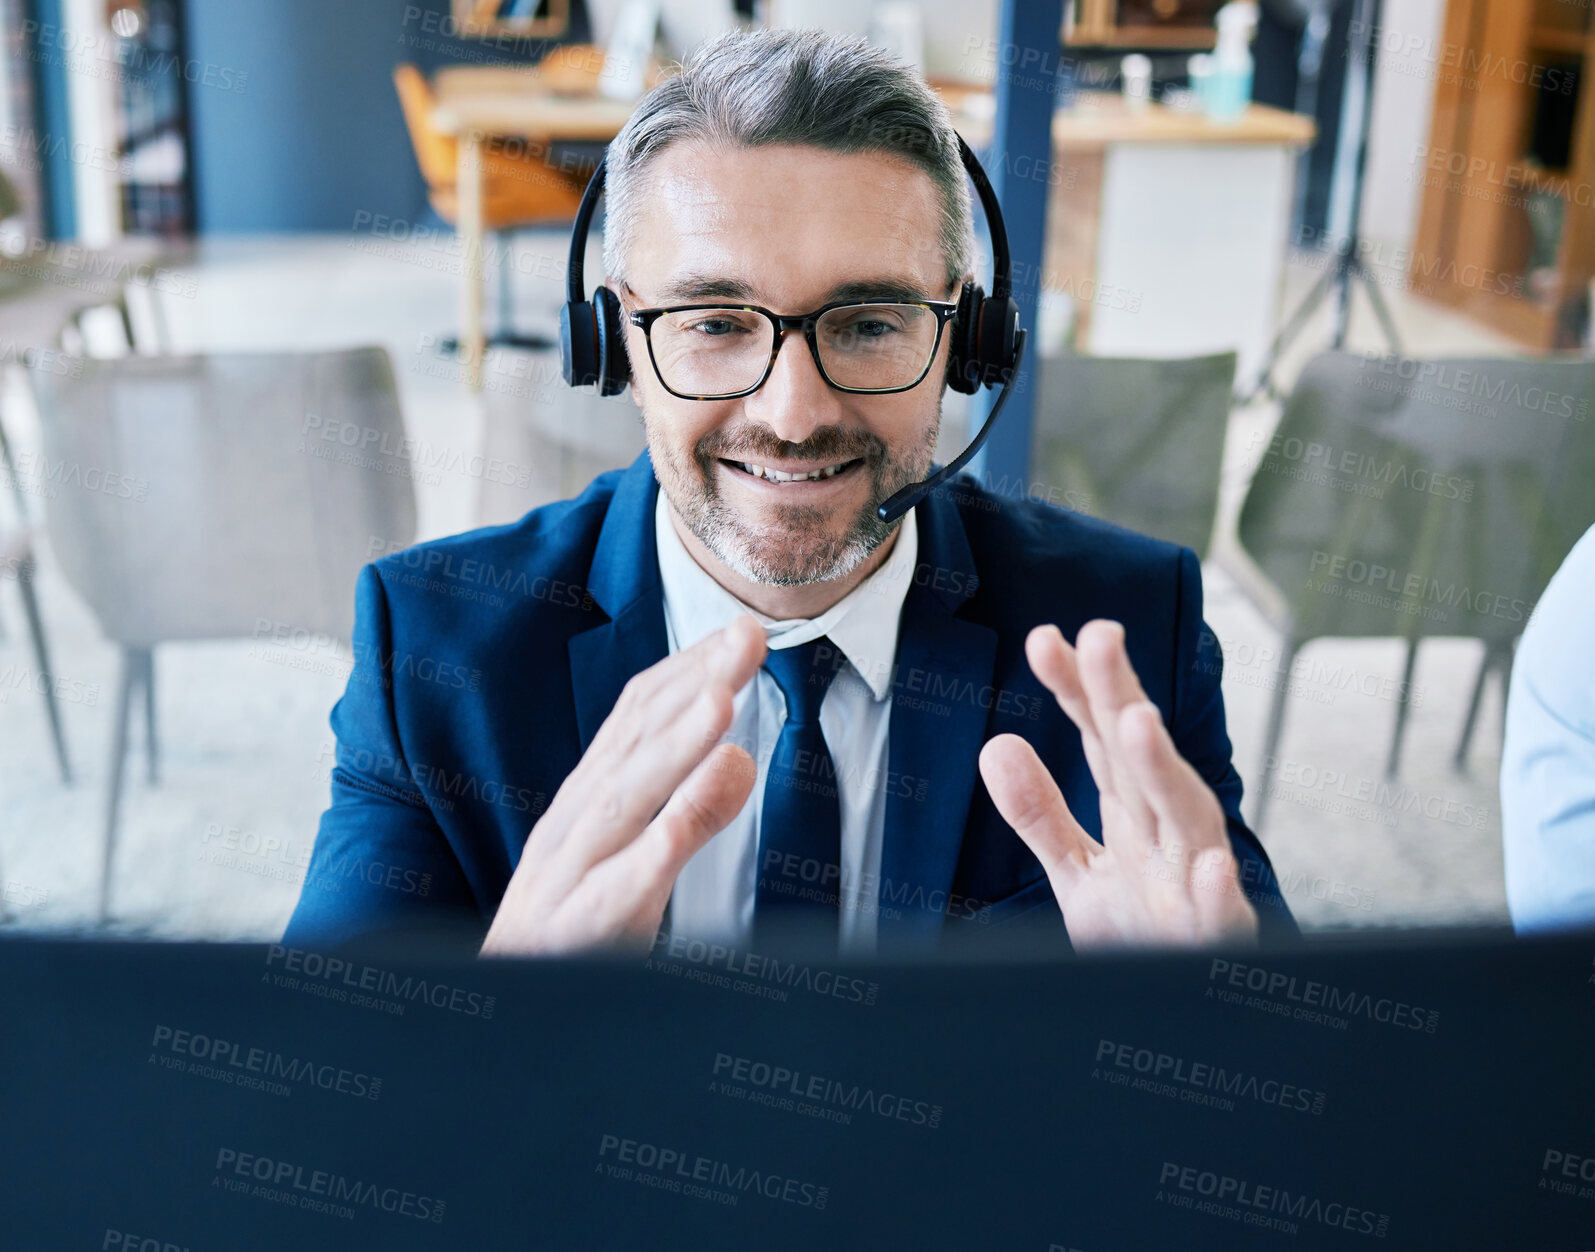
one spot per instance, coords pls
(469, 186)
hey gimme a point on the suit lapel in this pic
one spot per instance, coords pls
(624, 583)
(941, 689)
(941, 697)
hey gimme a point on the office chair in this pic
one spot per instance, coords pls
(517, 191)
(1407, 499)
(230, 510)
(1134, 441)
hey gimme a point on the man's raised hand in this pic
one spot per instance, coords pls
(1164, 872)
(653, 787)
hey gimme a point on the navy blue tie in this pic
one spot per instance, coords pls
(800, 827)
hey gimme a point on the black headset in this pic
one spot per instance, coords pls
(987, 340)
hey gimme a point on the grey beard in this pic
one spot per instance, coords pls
(725, 536)
(785, 559)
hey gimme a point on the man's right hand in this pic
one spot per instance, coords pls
(653, 787)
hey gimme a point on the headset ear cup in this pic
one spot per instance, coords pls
(614, 366)
(962, 357)
(578, 348)
(999, 326)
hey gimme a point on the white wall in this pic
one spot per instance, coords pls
(91, 107)
(1403, 103)
(958, 33)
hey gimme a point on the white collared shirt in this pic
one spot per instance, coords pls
(713, 897)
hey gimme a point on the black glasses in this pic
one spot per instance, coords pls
(722, 351)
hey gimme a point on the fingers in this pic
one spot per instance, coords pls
(1155, 765)
(725, 659)
(622, 899)
(1165, 871)
(660, 730)
(1173, 789)
(645, 871)
(1125, 818)
(1029, 801)
(1055, 663)
(1193, 834)
(1111, 686)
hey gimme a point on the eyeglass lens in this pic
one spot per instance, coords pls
(723, 351)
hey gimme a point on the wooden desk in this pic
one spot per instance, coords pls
(1099, 121)
(476, 103)
(1167, 232)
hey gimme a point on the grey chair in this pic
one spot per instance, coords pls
(17, 559)
(199, 498)
(1135, 441)
(41, 301)
(553, 439)
(40, 295)
(1411, 499)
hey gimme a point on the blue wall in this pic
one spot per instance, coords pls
(316, 134)
(51, 118)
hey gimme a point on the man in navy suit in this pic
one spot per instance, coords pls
(715, 695)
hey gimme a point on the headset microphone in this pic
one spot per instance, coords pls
(900, 502)
(986, 349)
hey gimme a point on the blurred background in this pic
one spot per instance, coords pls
(1309, 289)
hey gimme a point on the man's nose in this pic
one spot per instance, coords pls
(795, 400)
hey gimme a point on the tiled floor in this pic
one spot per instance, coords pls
(216, 848)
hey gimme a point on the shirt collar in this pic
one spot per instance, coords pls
(863, 624)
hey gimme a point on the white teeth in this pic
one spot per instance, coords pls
(779, 476)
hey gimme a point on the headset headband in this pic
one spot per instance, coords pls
(1001, 266)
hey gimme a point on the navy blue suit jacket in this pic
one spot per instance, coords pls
(485, 662)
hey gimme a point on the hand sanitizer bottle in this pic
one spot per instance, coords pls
(1228, 90)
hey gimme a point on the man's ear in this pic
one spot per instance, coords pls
(621, 290)
(958, 286)
(955, 328)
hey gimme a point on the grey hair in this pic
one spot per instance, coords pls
(808, 87)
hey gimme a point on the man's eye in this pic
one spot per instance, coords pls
(716, 327)
(865, 329)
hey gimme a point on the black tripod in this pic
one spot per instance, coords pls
(1347, 265)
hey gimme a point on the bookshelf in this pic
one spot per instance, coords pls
(1146, 24)
(1506, 225)
(524, 19)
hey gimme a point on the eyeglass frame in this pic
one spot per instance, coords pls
(808, 323)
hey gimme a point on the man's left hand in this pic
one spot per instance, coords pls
(1164, 872)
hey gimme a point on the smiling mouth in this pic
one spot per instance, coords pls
(771, 475)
